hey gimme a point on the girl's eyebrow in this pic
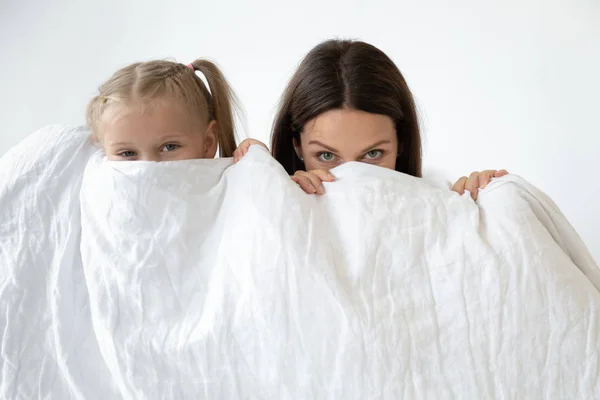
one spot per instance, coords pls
(173, 135)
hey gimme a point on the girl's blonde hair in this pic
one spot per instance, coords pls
(154, 80)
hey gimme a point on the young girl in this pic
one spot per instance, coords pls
(162, 111)
(349, 102)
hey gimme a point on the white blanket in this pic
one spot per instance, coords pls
(199, 280)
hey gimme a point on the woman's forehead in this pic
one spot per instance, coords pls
(350, 125)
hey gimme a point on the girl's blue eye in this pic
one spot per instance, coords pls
(326, 156)
(373, 154)
(170, 147)
(127, 154)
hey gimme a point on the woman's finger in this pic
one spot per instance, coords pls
(472, 184)
(459, 186)
(323, 174)
(317, 182)
(500, 173)
(485, 177)
(307, 185)
(301, 178)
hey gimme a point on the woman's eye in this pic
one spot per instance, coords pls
(373, 154)
(326, 156)
(127, 154)
(170, 147)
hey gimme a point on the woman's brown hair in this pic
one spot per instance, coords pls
(154, 80)
(347, 74)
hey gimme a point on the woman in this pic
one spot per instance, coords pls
(349, 102)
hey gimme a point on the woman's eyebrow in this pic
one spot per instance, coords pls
(375, 145)
(322, 145)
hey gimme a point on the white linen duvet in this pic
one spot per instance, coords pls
(197, 279)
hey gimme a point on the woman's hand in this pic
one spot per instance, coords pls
(312, 181)
(476, 181)
(243, 148)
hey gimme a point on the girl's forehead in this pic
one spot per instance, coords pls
(145, 123)
(142, 107)
(157, 112)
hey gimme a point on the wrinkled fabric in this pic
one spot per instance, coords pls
(198, 279)
(47, 344)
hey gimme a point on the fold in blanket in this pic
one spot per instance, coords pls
(198, 279)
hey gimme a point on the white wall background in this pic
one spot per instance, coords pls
(500, 84)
